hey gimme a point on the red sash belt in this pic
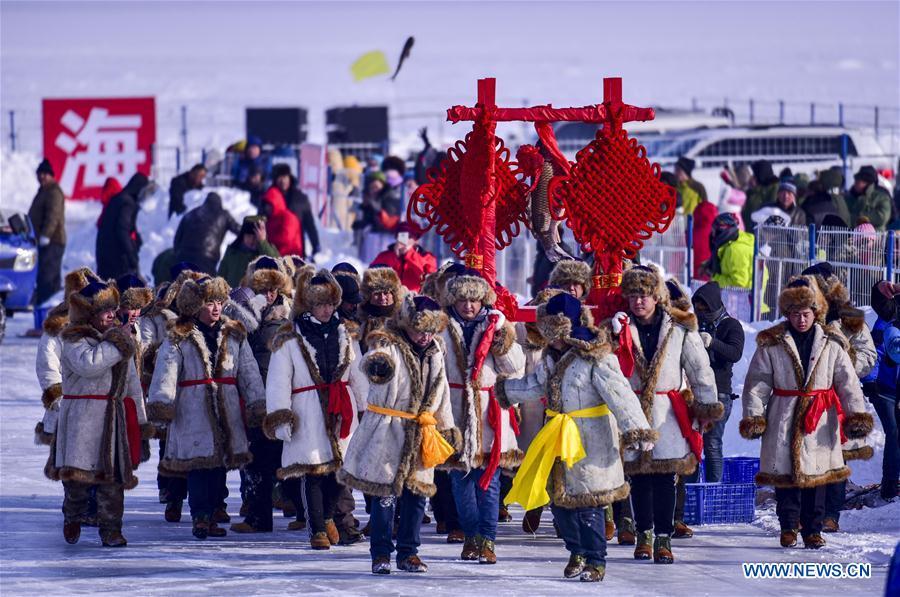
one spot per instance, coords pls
(339, 402)
(693, 437)
(494, 422)
(226, 381)
(132, 427)
(822, 401)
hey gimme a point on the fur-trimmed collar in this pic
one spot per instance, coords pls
(391, 334)
(775, 335)
(56, 320)
(685, 319)
(180, 328)
(78, 331)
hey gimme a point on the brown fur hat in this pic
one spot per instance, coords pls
(193, 294)
(268, 273)
(169, 299)
(571, 271)
(96, 297)
(469, 286)
(315, 288)
(435, 283)
(78, 279)
(134, 295)
(381, 279)
(421, 313)
(644, 280)
(836, 294)
(803, 292)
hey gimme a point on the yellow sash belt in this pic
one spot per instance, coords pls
(435, 450)
(558, 438)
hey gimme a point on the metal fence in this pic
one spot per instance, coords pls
(672, 250)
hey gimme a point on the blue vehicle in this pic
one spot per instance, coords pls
(18, 265)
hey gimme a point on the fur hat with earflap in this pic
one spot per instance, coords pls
(193, 294)
(435, 283)
(134, 293)
(421, 314)
(563, 317)
(169, 300)
(268, 273)
(802, 292)
(469, 286)
(569, 272)
(833, 289)
(645, 280)
(314, 288)
(677, 296)
(95, 298)
(381, 278)
(78, 279)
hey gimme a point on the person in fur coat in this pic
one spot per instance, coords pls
(314, 390)
(583, 383)
(205, 384)
(408, 402)
(667, 349)
(480, 347)
(864, 356)
(101, 418)
(803, 398)
(572, 276)
(382, 295)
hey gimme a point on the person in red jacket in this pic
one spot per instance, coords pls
(111, 188)
(704, 214)
(282, 226)
(407, 258)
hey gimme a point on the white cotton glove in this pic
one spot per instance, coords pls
(619, 321)
(283, 432)
(645, 446)
(258, 302)
(707, 339)
(501, 319)
(44, 241)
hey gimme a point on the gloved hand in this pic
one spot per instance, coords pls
(707, 339)
(283, 432)
(43, 241)
(501, 319)
(258, 302)
(619, 321)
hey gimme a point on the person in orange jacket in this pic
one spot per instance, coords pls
(407, 258)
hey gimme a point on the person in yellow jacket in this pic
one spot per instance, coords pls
(692, 192)
(731, 264)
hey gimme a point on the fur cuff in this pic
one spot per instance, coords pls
(379, 368)
(752, 427)
(41, 437)
(122, 340)
(858, 425)
(861, 453)
(256, 413)
(500, 392)
(708, 411)
(148, 431)
(632, 437)
(276, 419)
(51, 395)
(453, 436)
(160, 412)
(504, 338)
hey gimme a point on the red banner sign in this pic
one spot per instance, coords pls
(89, 140)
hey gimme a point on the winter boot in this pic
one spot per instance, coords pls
(331, 532)
(503, 515)
(221, 515)
(173, 511)
(350, 536)
(72, 532)
(814, 541)
(214, 530)
(426, 520)
(644, 548)
(610, 524)
(90, 520)
(412, 564)
(788, 537)
(574, 567)
(381, 565)
(456, 536)
(626, 532)
(200, 529)
(593, 573)
(440, 528)
(682, 531)
(367, 530)
(319, 541)
(470, 549)
(830, 525)
(113, 538)
(244, 528)
(296, 525)
(487, 555)
(532, 520)
(662, 550)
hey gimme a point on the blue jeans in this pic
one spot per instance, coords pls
(477, 508)
(712, 443)
(584, 532)
(890, 467)
(381, 525)
(205, 491)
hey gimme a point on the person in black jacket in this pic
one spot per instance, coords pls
(201, 232)
(118, 241)
(191, 180)
(297, 201)
(723, 337)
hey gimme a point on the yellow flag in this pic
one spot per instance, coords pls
(369, 64)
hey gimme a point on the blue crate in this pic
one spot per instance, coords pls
(740, 469)
(718, 503)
